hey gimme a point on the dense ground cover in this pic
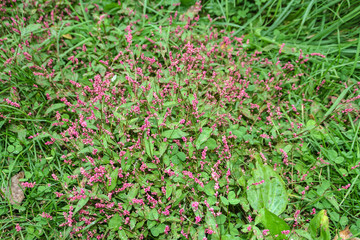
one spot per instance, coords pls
(175, 120)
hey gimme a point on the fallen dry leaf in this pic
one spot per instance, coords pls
(67, 36)
(191, 13)
(17, 193)
(345, 234)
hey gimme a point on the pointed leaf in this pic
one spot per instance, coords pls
(206, 133)
(175, 133)
(275, 224)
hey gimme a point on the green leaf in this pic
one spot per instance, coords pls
(336, 103)
(211, 223)
(332, 199)
(55, 107)
(323, 187)
(172, 134)
(224, 201)
(10, 148)
(168, 190)
(114, 177)
(30, 29)
(156, 231)
(344, 221)
(149, 146)
(163, 147)
(272, 222)
(210, 143)
(209, 188)
(151, 224)
(271, 194)
(181, 156)
(191, 149)
(122, 235)
(206, 133)
(80, 204)
(232, 198)
(319, 226)
(153, 214)
(132, 223)
(133, 192)
(115, 222)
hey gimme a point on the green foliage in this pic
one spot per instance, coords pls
(271, 194)
(272, 222)
(319, 226)
(95, 109)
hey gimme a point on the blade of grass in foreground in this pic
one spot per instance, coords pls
(336, 24)
(338, 100)
(254, 17)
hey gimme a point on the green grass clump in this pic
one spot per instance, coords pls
(156, 120)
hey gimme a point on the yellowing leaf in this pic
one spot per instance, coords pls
(67, 36)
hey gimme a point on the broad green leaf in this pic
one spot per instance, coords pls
(132, 223)
(323, 187)
(87, 150)
(80, 204)
(122, 235)
(30, 29)
(115, 222)
(153, 214)
(133, 192)
(232, 198)
(209, 188)
(201, 233)
(271, 194)
(224, 201)
(206, 133)
(211, 223)
(191, 149)
(181, 156)
(114, 177)
(210, 143)
(163, 147)
(54, 107)
(221, 219)
(156, 231)
(332, 199)
(319, 226)
(272, 222)
(169, 190)
(175, 133)
(151, 224)
(304, 234)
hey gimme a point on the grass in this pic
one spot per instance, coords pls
(128, 121)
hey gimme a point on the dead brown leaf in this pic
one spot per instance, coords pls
(345, 234)
(17, 193)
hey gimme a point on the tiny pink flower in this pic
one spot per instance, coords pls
(167, 229)
(195, 205)
(18, 228)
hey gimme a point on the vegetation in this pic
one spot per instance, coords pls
(226, 119)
